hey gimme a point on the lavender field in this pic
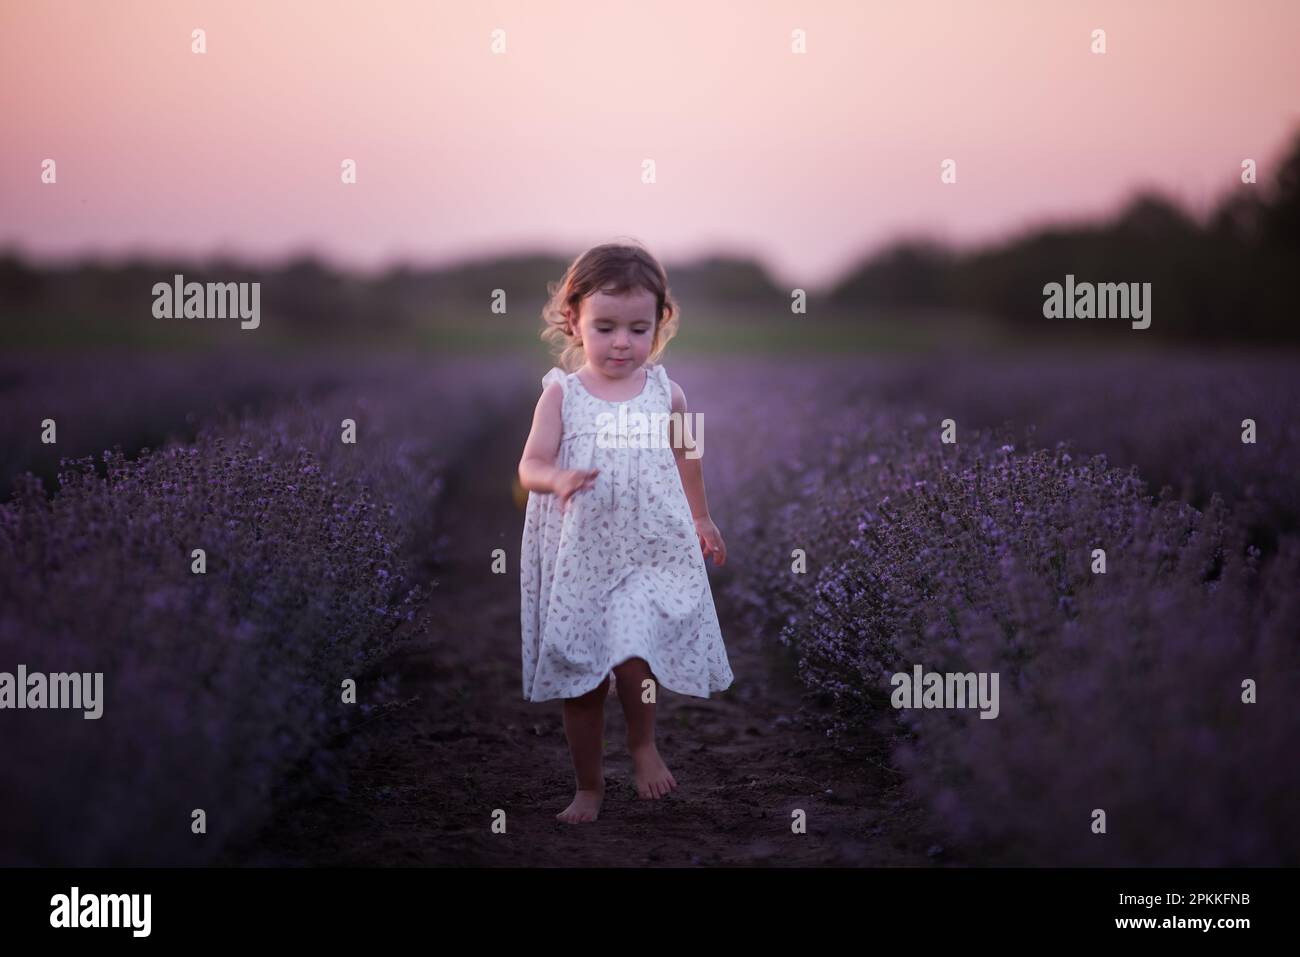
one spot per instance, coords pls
(327, 561)
(1122, 692)
(224, 687)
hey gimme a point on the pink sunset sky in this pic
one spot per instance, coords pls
(807, 162)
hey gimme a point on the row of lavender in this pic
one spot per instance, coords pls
(90, 402)
(1121, 691)
(222, 690)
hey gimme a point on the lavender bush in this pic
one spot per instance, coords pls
(1119, 691)
(215, 685)
(223, 691)
(1176, 417)
(134, 400)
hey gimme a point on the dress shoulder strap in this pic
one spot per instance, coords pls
(556, 375)
(662, 375)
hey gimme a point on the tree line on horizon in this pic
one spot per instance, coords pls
(1225, 279)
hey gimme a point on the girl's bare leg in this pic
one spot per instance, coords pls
(584, 726)
(653, 779)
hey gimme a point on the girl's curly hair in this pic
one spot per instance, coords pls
(616, 269)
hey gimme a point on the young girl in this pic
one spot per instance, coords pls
(613, 581)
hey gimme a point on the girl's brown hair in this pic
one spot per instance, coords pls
(616, 269)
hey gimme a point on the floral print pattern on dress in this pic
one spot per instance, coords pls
(618, 573)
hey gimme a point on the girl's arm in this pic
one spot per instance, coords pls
(691, 469)
(537, 470)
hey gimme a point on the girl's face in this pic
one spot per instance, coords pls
(617, 331)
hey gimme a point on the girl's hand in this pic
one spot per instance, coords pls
(570, 481)
(711, 540)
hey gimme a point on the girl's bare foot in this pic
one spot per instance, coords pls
(653, 779)
(585, 806)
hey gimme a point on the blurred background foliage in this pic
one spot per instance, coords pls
(1224, 281)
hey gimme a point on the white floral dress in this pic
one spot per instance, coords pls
(618, 573)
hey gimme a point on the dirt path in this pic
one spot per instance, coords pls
(425, 779)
